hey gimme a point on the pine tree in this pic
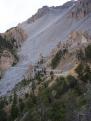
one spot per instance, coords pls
(14, 108)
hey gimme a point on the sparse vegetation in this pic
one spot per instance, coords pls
(84, 56)
(56, 59)
(60, 102)
(8, 45)
(88, 52)
(84, 72)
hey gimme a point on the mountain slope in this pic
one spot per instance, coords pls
(49, 30)
(44, 31)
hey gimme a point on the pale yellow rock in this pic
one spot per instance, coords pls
(6, 60)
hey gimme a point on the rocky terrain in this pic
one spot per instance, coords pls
(10, 42)
(16, 33)
(51, 81)
(53, 27)
(50, 27)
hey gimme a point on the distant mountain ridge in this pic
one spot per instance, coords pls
(45, 10)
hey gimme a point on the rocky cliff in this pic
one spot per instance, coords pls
(10, 42)
(16, 33)
(83, 7)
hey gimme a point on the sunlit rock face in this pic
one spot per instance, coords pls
(16, 36)
(48, 10)
(16, 33)
(6, 60)
(41, 12)
(40, 34)
(80, 37)
(82, 9)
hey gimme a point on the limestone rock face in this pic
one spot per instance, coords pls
(6, 60)
(46, 10)
(79, 39)
(79, 35)
(16, 33)
(83, 7)
(41, 12)
(15, 36)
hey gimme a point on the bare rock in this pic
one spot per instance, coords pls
(6, 60)
(81, 9)
(16, 33)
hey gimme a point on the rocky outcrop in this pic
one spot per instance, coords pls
(6, 60)
(41, 12)
(79, 37)
(51, 26)
(10, 41)
(45, 10)
(81, 9)
(77, 40)
(16, 33)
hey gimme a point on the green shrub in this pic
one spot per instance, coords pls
(57, 112)
(72, 82)
(84, 55)
(56, 60)
(88, 52)
(8, 45)
(84, 72)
